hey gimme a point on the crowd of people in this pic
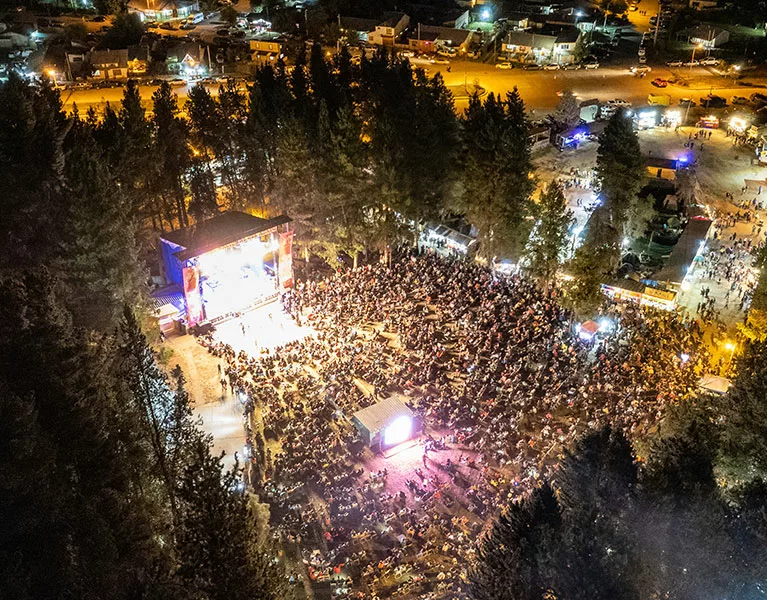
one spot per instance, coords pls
(496, 370)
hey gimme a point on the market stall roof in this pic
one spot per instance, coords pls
(221, 230)
(381, 414)
(684, 252)
(714, 383)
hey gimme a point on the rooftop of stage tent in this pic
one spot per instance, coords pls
(221, 230)
(377, 416)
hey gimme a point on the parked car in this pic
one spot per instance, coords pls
(188, 26)
(571, 66)
(674, 63)
(504, 65)
(642, 59)
(98, 19)
(660, 82)
(709, 61)
(641, 51)
(532, 67)
(640, 69)
(168, 26)
(619, 103)
(687, 102)
(712, 101)
(551, 67)
(692, 63)
(591, 65)
(177, 82)
(439, 61)
(739, 100)
(407, 54)
(759, 99)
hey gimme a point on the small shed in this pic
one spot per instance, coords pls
(385, 424)
(714, 384)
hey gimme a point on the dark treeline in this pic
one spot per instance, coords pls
(359, 155)
(107, 485)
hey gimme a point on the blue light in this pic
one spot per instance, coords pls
(486, 14)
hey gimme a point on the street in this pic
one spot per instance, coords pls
(538, 88)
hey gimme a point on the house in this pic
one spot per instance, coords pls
(355, 29)
(109, 64)
(138, 59)
(661, 168)
(531, 47)
(430, 38)
(185, 57)
(564, 45)
(163, 10)
(389, 30)
(709, 36)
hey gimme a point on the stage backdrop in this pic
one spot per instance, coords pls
(194, 309)
(286, 260)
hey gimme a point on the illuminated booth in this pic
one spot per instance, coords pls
(386, 424)
(228, 264)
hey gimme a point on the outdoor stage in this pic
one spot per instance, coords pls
(266, 327)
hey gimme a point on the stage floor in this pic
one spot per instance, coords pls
(265, 327)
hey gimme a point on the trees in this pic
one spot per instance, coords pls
(497, 174)
(125, 31)
(620, 170)
(612, 530)
(550, 236)
(568, 111)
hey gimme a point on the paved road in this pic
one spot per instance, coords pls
(538, 88)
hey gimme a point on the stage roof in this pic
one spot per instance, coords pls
(684, 251)
(221, 230)
(379, 415)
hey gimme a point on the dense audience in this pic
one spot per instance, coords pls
(502, 378)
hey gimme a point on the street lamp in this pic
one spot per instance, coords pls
(694, 48)
(731, 347)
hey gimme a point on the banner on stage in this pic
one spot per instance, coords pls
(286, 260)
(194, 308)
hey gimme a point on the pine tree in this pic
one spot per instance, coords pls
(550, 236)
(568, 112)
(620, 169)
(218, 548)
(76, 501)
(172, 149)
(512, 559)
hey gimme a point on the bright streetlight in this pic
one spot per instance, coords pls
(694, 48)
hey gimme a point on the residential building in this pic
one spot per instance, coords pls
(530, 47)
(429, 38)
(564, 45)
(355, 29)
(389, 30)
(185, 57)
(138, 59)
(109, 64)
(163, 10)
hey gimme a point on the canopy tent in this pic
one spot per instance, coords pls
(714, 384)
(385, 424)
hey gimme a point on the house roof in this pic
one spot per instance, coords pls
(183, 49)
(378, 416)
(684, 251)
(138, 52)
(455, 37)
(357, 24)
(391, 19)
(705, 32)
(110, 57)
(531, 40)
(218, 231)
(568, 35)
(658, 162)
